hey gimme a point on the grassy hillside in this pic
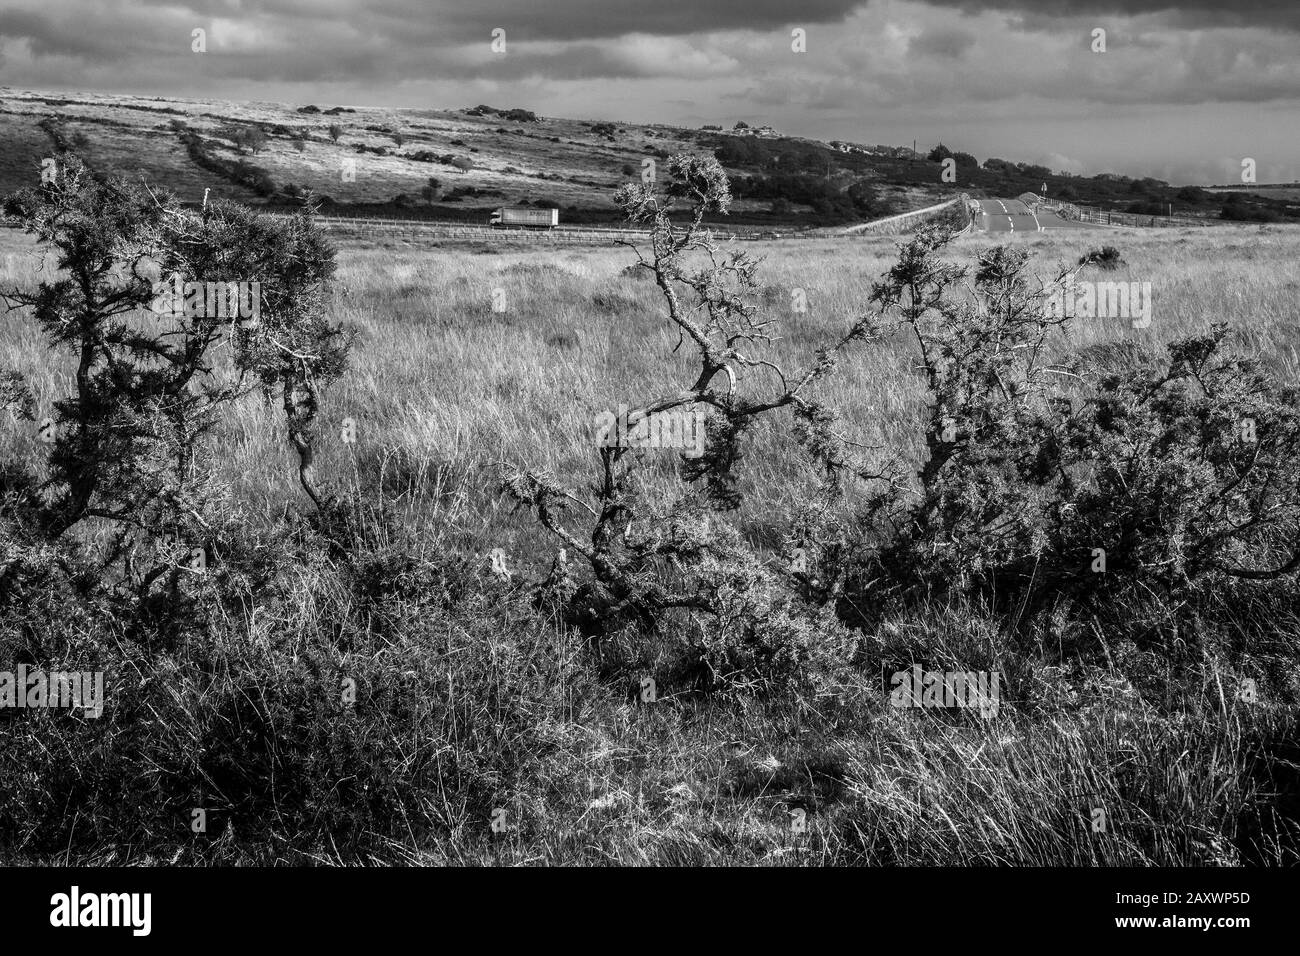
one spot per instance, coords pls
(574, 164)
(480, 158)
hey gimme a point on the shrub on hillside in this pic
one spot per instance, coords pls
(1105, 257)
(686, 564)
(248, 137)
(129, 444)
(1043, 480)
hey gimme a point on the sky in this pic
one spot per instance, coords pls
(1184, 91)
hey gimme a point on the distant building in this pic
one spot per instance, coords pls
(844, 147)
(712, 129)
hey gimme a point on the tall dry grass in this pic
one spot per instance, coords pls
(443, 389)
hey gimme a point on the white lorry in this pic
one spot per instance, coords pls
(524, 217)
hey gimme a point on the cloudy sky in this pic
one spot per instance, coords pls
(1185, 90)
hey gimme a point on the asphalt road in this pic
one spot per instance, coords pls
(1012, 215)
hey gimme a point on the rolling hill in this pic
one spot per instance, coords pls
(383, 158)
(457, 164)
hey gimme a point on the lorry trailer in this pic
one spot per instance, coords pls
(524, 217)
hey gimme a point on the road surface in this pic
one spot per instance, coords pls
(1012, 215)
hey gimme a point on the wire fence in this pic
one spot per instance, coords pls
(430, 228)
(1107, 217)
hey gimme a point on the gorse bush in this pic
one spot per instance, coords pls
(1106, 257)
(676, 562)
(128, 449)
(110, 442)
(1042, 480)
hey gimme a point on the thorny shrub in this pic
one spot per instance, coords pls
(1042, 480)
(685, 563)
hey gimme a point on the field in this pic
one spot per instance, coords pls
(471, 358)
(444, 388)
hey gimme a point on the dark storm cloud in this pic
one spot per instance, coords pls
(304, 40)
(1183, 13)
(460, 21)
(89, 35)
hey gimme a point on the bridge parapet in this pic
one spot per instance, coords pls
(904, 222)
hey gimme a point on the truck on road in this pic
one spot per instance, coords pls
(524, 217)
